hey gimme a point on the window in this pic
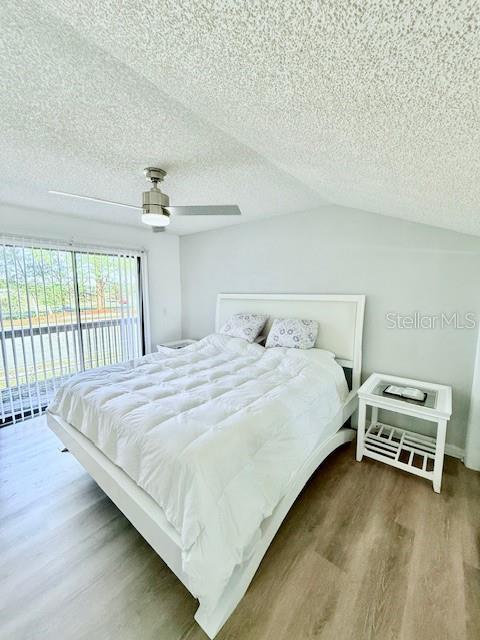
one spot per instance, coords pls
(62, 311)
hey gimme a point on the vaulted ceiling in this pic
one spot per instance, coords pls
(277, 106)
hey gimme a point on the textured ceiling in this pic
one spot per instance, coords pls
(74, 118)
(278, 106)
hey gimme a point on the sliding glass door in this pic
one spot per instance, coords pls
(62, 311)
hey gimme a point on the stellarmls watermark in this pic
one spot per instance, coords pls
(418, 320)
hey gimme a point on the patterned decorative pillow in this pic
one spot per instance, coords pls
(244, 325)
(292, 332)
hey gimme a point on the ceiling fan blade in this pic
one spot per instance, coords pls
(76, 195)
(206, 210)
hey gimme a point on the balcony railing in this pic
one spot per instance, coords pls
(37, 360)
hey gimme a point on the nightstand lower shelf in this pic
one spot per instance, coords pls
(400, 448)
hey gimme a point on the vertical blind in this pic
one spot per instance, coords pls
(62, 310)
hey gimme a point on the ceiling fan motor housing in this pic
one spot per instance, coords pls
(154, 201)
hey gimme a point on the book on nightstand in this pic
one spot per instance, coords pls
(409, 393)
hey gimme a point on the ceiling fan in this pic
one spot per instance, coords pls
(156, 209)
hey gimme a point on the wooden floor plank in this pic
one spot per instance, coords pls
(366, 553)
(472, 601)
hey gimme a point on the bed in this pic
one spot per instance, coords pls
(206, 448)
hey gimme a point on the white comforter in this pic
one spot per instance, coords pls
(213, 432)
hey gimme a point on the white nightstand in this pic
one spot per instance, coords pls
(412, 452)
(175, 344)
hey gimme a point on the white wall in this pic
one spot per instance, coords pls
(162, 251)
(472, 448)
(400, 266)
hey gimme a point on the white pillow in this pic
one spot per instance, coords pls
(293, 333)
(244, 325)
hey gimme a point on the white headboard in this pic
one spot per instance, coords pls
(340, 319)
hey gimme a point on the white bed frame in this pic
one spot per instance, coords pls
(341, 325)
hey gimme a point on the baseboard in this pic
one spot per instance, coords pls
(473, 467)
(454, 451)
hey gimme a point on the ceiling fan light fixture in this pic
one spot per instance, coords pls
(156, 219)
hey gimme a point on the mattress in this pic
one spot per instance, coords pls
(213, 433)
